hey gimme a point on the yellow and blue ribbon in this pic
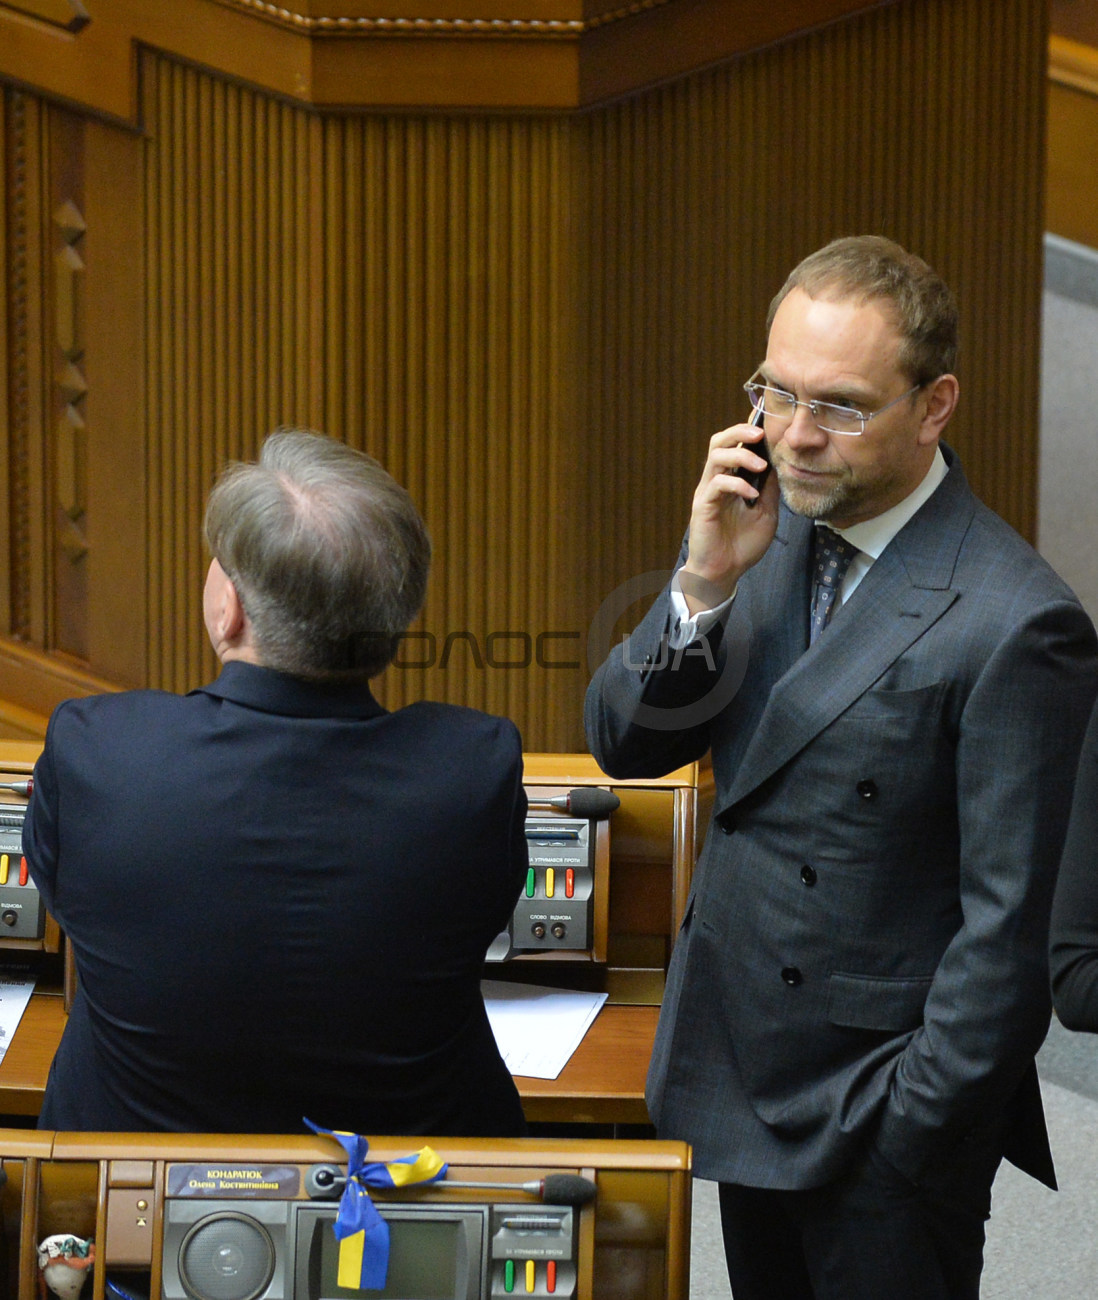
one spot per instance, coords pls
(362, 1233)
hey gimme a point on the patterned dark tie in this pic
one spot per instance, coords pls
(833, 556)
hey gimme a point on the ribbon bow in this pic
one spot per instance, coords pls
(362, 1233)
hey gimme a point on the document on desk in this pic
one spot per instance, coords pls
(15, 993)
(537, 1029)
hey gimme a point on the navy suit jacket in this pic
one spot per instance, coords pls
(279, 897)
(863, 957)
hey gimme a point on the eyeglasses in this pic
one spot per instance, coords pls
(829, 417)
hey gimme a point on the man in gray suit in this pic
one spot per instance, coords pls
(894, 707)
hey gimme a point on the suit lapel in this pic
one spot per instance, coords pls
(782, 597)
(904, 593)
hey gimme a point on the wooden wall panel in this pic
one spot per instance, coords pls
(705, 193)
(114, 473)
(7, 316)
(448, 348)
(394, 281)
(74, 359)
(484, 55)
(28, 405)
(1077, 20)
(534, 320)
(1073, 139)
(231, 334)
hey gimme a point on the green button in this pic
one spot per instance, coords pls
(531, 880)
(509, 1275)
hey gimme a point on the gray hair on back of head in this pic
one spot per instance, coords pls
(327, 551)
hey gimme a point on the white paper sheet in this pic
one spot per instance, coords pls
(537, 1029)
(15, 993)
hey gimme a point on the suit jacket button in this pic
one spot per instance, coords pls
(792, 976)
(808, 875)
(867, 789)
(727, 821)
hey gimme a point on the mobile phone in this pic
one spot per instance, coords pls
(755, 477)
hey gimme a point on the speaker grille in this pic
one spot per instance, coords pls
(226, 1257)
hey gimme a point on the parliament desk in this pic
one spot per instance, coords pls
(218, 1210)
(26, 1063)
(630, 1243)
(643, 856)
(603, 1083)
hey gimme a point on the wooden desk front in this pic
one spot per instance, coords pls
(603, 1083)
(632, 1241)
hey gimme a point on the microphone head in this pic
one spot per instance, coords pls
(591, 801)
(567, 1189)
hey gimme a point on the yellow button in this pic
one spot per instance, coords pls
(3, 868)
(529, 1275)
(550, 882)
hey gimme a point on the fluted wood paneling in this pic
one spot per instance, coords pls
(706, 192)
(535, 321)
(445, 250)
(232, 261)
(7, 406)
(28, 362)
(395, 282)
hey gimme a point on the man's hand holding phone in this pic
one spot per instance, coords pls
(734, 515)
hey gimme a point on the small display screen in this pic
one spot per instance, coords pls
(424, 1257)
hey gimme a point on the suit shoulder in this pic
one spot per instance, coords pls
(98, 732)
(996, 558)
(115, 708)
(461, 724)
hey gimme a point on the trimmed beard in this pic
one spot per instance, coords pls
(838, 497)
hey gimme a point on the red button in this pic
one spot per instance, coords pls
(22, 871)
(551, 1275)
(569, 883)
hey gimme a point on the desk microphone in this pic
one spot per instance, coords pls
(589, 801)
(553, 1189)
(19, 787)
(324, 1181)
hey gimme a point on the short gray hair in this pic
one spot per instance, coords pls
(327, 552)
(869, 267)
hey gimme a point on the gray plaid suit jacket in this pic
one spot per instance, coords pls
(863, 955)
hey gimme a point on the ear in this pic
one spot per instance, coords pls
(941, 401)
(223, 613)
(231, 617)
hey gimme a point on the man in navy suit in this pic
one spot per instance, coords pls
(894, 709)
(278, 894)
